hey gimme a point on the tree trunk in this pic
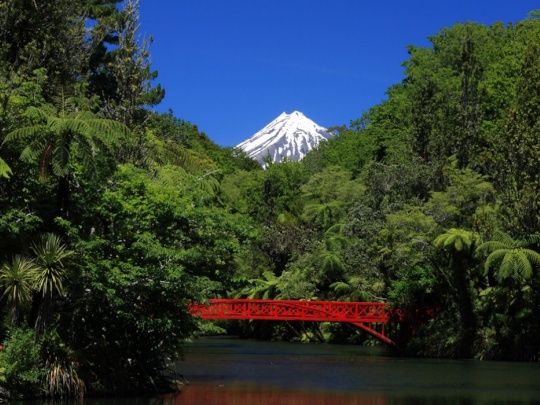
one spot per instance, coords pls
(62, 197)
(15, 315)
(44, 315)
(465, 306)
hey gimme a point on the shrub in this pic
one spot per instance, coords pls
(21, 368)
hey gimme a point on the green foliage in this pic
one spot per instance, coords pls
(466, 193)
(350, 150)
(62, 379)
(510, 258)
(265, 287)
(50, 138)
(156, 215)
(50, 259)
(17, 279)
(459, 240)
(5, 170)
(23, 369)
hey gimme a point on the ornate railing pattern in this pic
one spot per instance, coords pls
(369, 316)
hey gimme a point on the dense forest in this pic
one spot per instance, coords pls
(114, 217)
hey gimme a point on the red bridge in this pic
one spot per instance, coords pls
(368, 316)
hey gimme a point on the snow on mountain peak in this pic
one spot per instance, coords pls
(289, 136)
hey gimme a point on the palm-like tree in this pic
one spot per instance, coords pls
(51, 254)
(460, 244)
(17, 279)
(52, 138)
(511, 258)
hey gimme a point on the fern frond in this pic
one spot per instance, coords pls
(269, 276)
(533, 257)
(503, 237)
(494, 258)
(439, 241)
(331, 263)
(112, 130)
(335, 242)
(34, 149)
(491, 246)
(5, 170)
(522, 264)
(61, 158)
(532, 240)
(340, 287)
(449, 240)
(335, 229)
(26, 133)
(84, 115)
(36, 114)
(458, 239)
(507, 267)
(87, 152)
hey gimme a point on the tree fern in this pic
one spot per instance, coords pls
(459, 240)
(510, 258)
(324, 215)
(51, 137)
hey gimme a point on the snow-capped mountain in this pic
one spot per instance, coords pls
(289, 136)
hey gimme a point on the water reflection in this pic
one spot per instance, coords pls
(228, 371)
(233, 371)
(203, 394)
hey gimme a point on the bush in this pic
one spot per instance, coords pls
(21, 367)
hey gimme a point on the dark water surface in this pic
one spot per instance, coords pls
(233, 371)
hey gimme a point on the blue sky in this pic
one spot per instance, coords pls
(231, 66)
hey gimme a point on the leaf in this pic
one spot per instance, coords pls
(494, 258)
(5, 170)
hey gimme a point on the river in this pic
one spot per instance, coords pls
(234, 371)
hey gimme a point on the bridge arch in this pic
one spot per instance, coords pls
(372, 317)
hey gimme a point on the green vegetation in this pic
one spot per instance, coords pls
(113, 217)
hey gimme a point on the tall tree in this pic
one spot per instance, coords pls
(460, 244)
(131, 72)
(44, 34)
(519, 152)
(51, 255)
(471, 114)
(54, 137)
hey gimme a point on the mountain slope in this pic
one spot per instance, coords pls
(289, 136)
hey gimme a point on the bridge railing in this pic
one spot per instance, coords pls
(317, 311)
